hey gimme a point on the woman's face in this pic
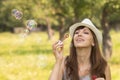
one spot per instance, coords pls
(83, 38)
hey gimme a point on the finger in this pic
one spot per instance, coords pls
(99, 79)
(59, 43)
(59, 47)
(55, 42)
(54, 45)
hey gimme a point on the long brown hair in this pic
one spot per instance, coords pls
(98, 63)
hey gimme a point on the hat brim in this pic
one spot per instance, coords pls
(97, 33)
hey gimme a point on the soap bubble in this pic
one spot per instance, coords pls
(65, 36)
(30, 24)
(14, 11)
(26, 31)
(17, 14)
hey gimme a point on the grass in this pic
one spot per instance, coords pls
(31, 58)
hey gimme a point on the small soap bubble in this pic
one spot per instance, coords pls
(65, 36)
(27, 31)
(30, 24)
(14, 11)
(17, 14)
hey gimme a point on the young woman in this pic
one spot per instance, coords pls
(85, 61)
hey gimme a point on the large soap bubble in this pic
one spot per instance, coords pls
(30, 24)
(17, 14)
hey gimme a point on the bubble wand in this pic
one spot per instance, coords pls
(64, 38)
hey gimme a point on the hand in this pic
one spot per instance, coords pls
(58, 50)
(99, 79)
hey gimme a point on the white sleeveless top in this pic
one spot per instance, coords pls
(87, 77)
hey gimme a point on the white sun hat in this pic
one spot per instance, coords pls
(87, 23)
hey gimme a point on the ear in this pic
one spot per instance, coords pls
(93, 44)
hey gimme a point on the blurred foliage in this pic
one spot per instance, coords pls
(63, 11)
(113, 9)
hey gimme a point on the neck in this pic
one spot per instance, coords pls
(83, 55)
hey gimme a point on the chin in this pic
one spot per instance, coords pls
(78, 46)
(81, 45)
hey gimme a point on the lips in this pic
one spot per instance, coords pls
(80, 40)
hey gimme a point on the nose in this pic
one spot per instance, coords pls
(80, 33)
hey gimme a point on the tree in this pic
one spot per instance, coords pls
(31, 9)
(68, 12)
(108, 10)
(43, 14)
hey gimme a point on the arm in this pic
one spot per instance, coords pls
(55, 75)
(61, 70)
(57, 71)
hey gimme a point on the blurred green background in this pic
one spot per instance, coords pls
(30, 57)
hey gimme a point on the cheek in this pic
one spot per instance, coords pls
(90, 40)
(73, 38)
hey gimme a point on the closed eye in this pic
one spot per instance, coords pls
(76, 32)
(86, 32)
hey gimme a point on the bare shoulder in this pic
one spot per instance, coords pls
(108, 72)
